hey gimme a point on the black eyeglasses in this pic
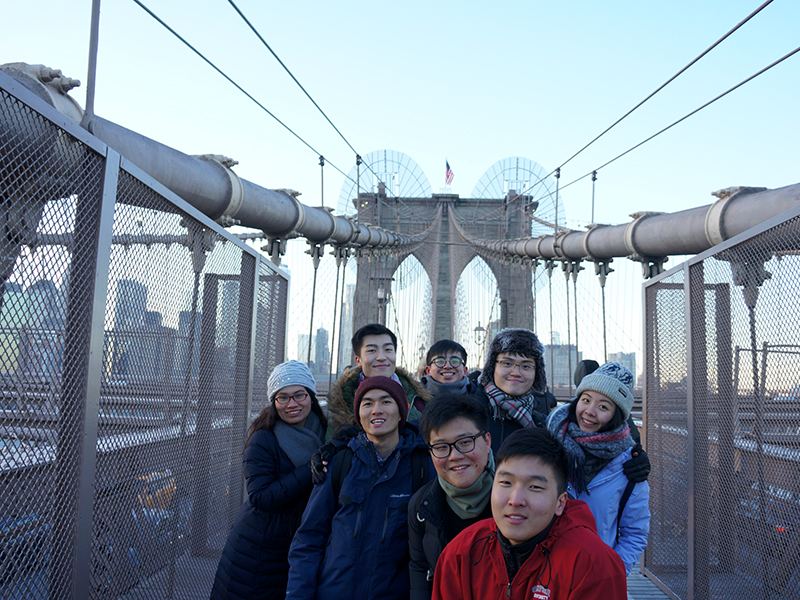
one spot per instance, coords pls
(440, 361)
(298, 397)
(464, 445)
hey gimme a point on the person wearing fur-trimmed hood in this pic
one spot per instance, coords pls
(513, 384)
(374, 348)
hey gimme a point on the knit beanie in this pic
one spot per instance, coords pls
(612, 380)
(387, 384)
(289, 373)
(517, 341)
(584, 368)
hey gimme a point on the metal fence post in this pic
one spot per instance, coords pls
(690, 521)
(83, 353)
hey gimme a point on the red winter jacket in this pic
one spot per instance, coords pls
(571, 563)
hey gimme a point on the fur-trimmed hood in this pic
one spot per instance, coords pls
(343, 392)
(517, 341)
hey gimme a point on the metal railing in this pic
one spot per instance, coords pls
(129, 369)
(722, 425)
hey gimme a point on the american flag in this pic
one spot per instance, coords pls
(448, 174)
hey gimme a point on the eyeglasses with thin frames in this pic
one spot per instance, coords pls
(464, 445)
(441, 361)
(297, 397)
(510, 366)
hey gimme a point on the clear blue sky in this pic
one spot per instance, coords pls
(473, 82)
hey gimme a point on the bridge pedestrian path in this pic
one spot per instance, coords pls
(200, 571)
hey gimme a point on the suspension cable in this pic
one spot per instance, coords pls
(232, 82)
(314, 102)
(569, 340)
(333, 333)
(263, 41)
(695, 111)
(671, 79)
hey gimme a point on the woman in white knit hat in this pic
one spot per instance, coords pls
(594, 431)
(282, 438)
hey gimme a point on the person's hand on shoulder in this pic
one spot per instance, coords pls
(321, 458)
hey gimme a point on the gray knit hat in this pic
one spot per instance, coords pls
(517, 341)
(289, 373)
(612, 380)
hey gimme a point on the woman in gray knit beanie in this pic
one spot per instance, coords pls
(254, 563)
(594, 432)
(513, 384)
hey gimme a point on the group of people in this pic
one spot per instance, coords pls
(446, 487)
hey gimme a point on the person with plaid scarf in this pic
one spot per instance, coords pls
(513, 384)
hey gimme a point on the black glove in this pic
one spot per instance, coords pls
(539, 420)
(638, 467)
(346, 432)
(323, 457)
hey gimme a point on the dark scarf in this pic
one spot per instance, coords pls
(518, 408)
(436, 388)
(588, 452)
(299, 442)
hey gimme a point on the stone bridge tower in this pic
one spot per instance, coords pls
(445, 254)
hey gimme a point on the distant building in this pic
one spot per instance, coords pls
(42, 337)
(345, 355)
(626, 359)
(322, 353)
(561, 363)
(303, 347)
(13, 317)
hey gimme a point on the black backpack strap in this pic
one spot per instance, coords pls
(622, 502)
(340, 467)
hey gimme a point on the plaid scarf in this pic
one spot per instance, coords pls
(518, 408)
(588, 452)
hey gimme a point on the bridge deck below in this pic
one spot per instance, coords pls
(194, 576)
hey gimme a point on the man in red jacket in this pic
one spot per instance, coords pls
(540, 545)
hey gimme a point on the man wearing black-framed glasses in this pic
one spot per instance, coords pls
(446, 369)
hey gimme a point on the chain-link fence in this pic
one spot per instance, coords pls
(136, 338)
(722, 416)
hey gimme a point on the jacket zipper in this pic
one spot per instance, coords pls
(385, 524)
(508, 590)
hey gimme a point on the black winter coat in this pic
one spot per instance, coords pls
(254, 563)
(426, 536)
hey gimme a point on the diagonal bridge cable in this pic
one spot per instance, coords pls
(322, 112)
(236, 85)
(670, 80)
(695, 111)
(661, 87)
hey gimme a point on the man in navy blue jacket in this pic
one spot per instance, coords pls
(354, 545)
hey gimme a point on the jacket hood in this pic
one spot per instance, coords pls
(343, 393)
(516, 341)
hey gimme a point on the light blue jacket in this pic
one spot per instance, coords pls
(603, 496)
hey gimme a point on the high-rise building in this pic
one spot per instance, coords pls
(626, 359)
(42, 337)
(303, 347)
(13, 317)
(561, 364)
(345, 357)
(322, 353)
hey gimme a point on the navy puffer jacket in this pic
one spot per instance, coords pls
(254, 562)
(357, 548)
